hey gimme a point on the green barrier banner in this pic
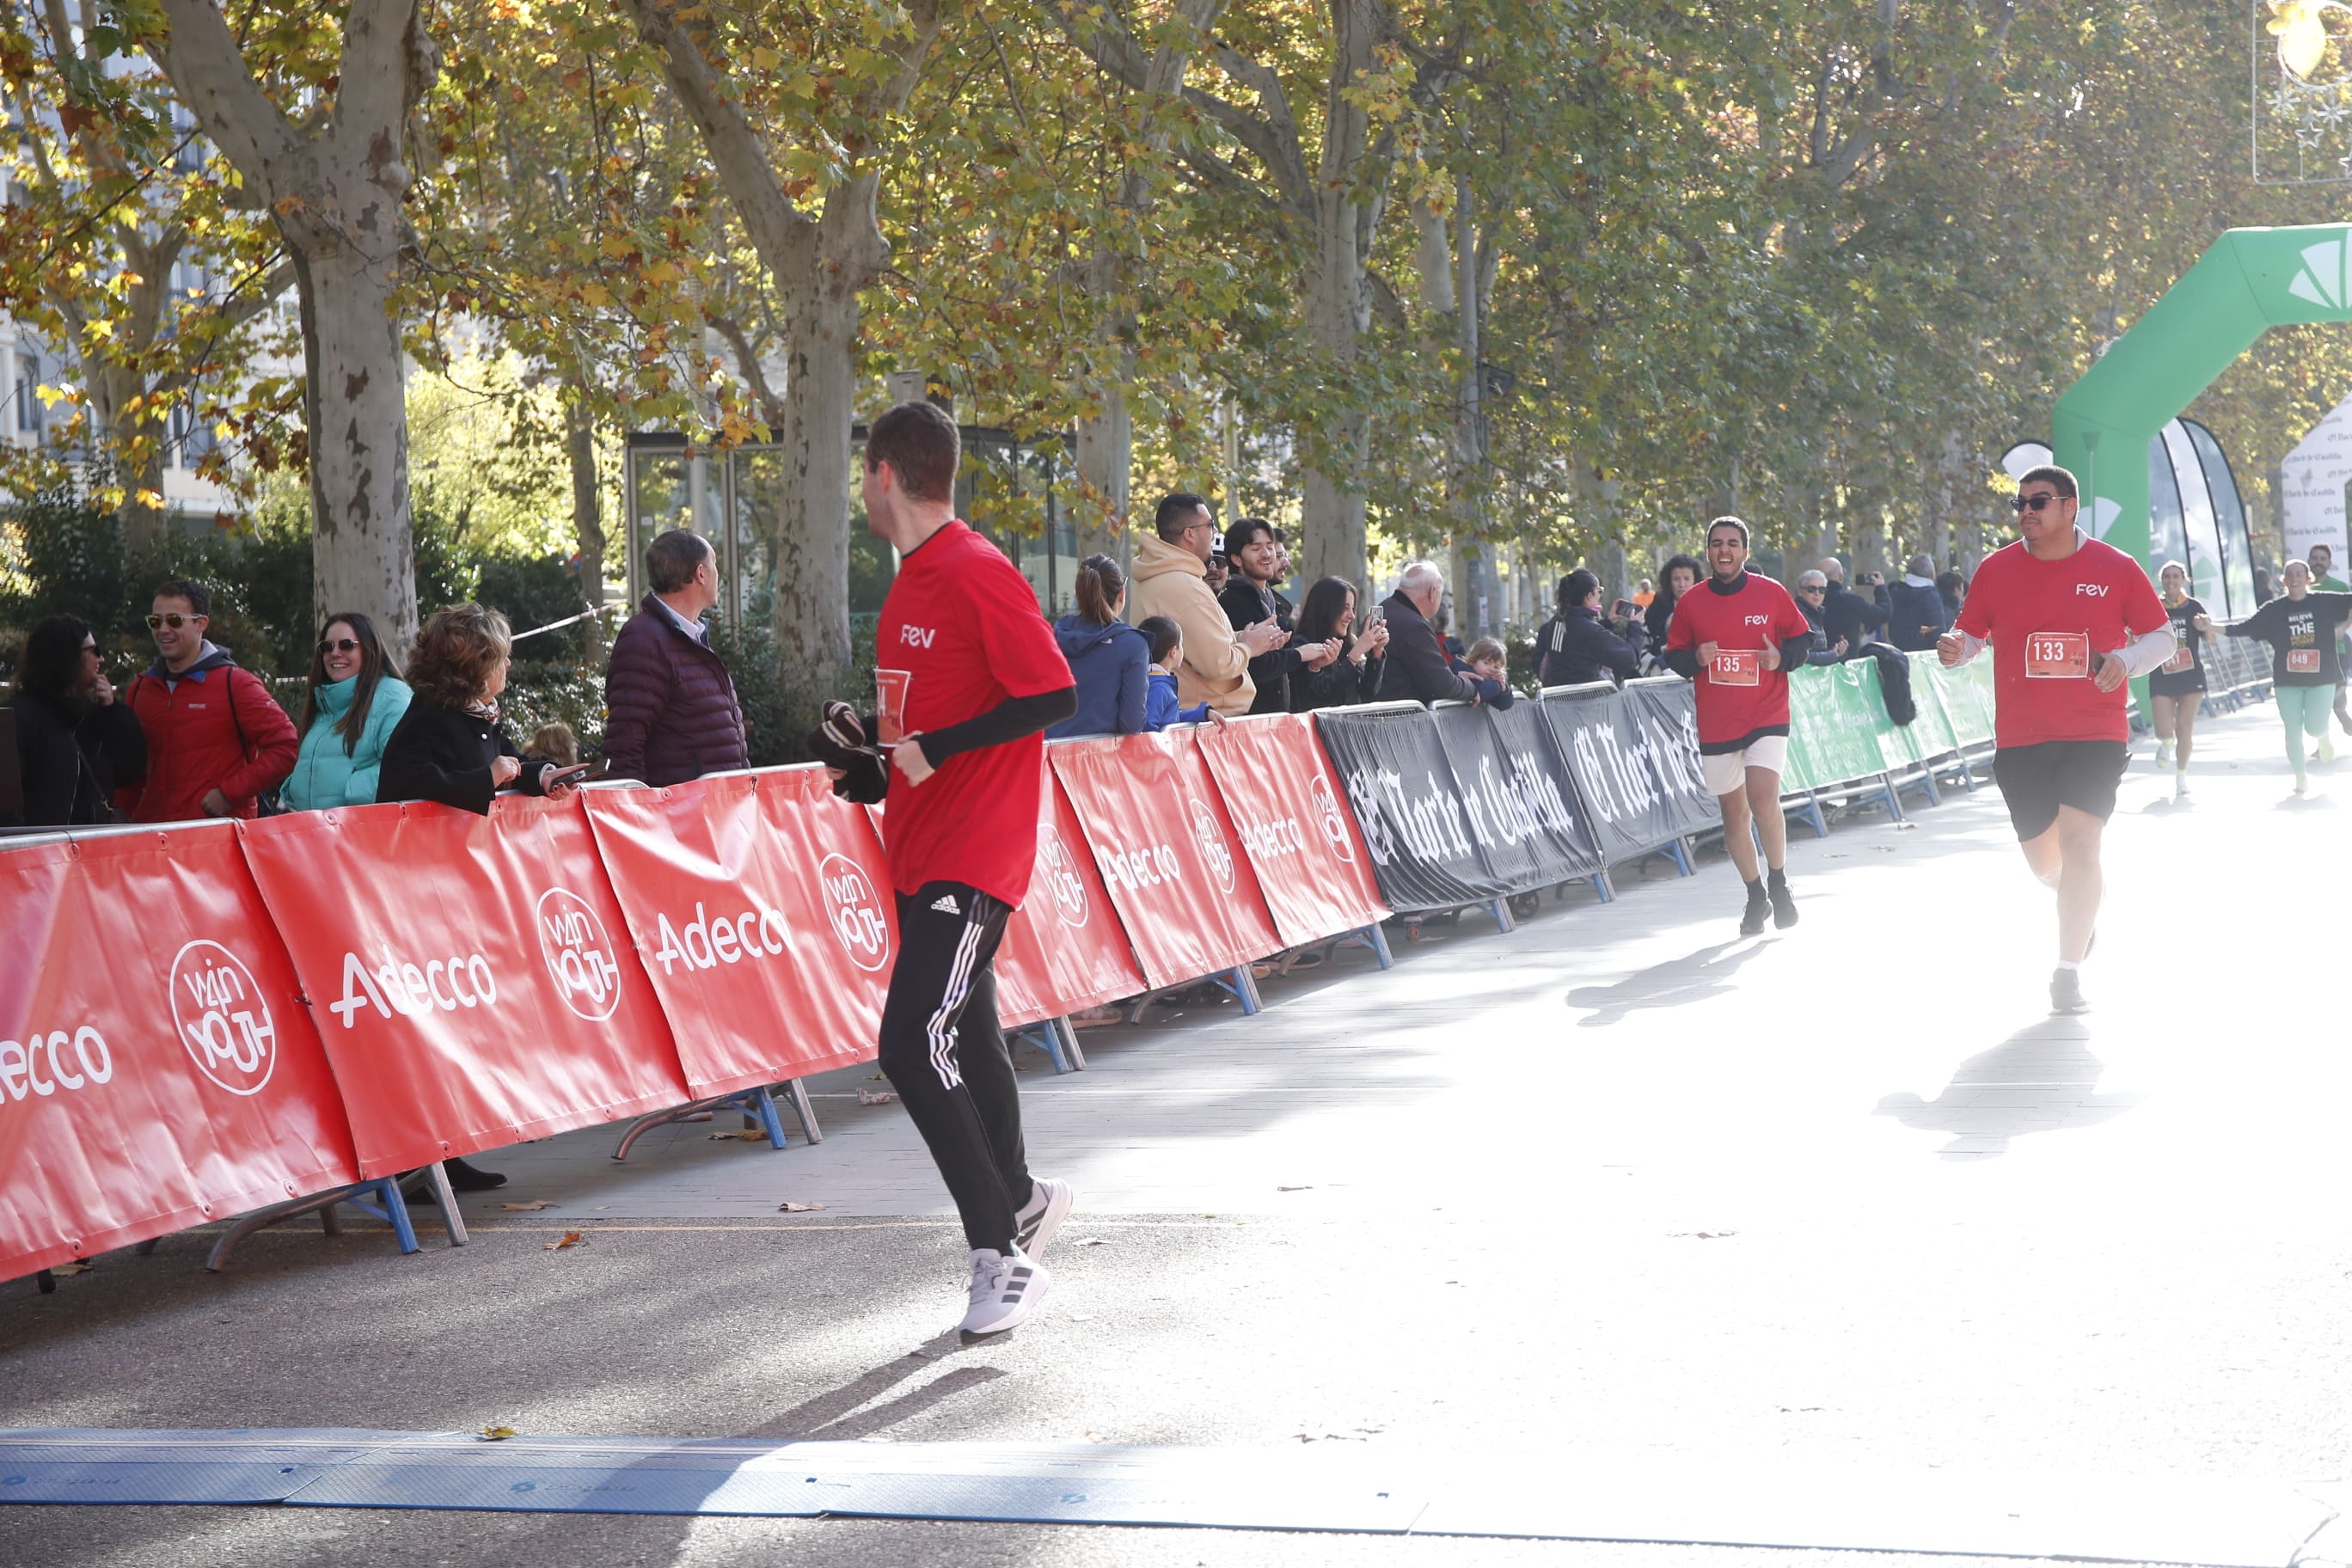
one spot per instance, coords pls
(1932, 734)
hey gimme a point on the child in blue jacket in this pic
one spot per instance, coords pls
(1159, 708)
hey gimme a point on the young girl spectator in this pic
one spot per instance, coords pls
(451, 747)
(1108, 659)
(1159, 708)
(555, 742)
(74, 744)
(356, 700)
(1487, 664)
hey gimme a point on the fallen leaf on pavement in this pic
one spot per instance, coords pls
(497, 1433)
(69, 1268)
(569, 1238)
(1091, 1241)
(788, 1206)
(875, 1097)
(1306, 1189)
(748, 1134)
(531, 1208)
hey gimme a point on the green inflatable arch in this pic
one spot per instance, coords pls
(2251, 280)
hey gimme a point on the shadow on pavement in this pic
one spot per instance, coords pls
(1706, 973)
(2043, 1079)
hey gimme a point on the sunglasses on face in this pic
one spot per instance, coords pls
(175, 622)
(2035, 503)
(338, 644)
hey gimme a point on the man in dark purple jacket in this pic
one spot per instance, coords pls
(670, 707)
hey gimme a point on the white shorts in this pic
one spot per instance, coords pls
(1728, 771)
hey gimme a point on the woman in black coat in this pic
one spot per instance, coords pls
(1355, 676)
(450, 746)
(1575, 646)
(74, 744)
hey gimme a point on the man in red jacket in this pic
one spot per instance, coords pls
(216, 740)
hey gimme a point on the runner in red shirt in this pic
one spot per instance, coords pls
(2070, 620)
(967, 677)
(1735, 636)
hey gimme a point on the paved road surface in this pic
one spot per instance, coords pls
(1617, 1187)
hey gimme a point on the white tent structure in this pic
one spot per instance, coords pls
(2311, 488)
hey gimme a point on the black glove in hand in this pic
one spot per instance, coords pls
(864, 778)
(841, 736)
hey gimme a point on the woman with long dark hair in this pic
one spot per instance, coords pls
(356, 700)
(1575, 646)
(1328, 613)
(1110, 660)
(74, 744)
(1682, 574)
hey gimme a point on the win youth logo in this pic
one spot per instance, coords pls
(855, 912)
(221, 1018)
(1326, 811)
(2325, 278)
(1211, 840)
(1062, 878)
(580, 958)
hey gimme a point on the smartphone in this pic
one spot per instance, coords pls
(577, 772)
(1622, 610)
(1375, 614)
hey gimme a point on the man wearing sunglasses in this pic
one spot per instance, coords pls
(216, 740)
(2069, 620)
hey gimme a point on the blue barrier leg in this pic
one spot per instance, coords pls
(1679, 852)
(1599, 880)
(763, 1104)
(1378, 941)
(1047, 1036)
(1501, 910)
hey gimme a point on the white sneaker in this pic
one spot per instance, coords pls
(1041, 1219)
(2163, 753)
(1006, 1287)
(2301, 783)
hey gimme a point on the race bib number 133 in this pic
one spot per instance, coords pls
(2058, 656)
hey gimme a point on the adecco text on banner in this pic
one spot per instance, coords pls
(221, 1018)
(580, 955)
(857, 910)
(706, 943)
(448, 983)
(21, 1061)
(1146, 865)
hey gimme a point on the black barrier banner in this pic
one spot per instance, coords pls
(1521, 804)
(1609, 756)
(1664, 713)
(1410, 806)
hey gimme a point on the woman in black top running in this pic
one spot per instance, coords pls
(2177, 686)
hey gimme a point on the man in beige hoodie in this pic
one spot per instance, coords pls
(1169, 580)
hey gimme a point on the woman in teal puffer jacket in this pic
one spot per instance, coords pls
(356, 699)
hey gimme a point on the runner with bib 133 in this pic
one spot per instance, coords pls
(1734, 638)
(2069, 620)
(2302, 628)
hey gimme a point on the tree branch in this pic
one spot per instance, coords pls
(208, 71)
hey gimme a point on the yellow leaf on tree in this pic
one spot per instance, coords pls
(766, 58)
(663, 273)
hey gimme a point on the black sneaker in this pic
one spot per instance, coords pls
(1784, 907)
(465, 1178)
(1760, 908)
(2066, 992)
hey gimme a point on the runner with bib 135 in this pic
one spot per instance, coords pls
(1734, 638)
(2301, 627)
(2069, 620)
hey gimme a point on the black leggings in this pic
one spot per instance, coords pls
(944, 1053)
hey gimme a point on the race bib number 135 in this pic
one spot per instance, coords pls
(1736, 667)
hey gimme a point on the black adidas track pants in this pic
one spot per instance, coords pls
(945, 1054)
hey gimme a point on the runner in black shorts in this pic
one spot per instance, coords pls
(2069, 620)
(2178, 684)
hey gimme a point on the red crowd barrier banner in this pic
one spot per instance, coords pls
(1064, 949)
(1285, 807)
(471, 977)
(1183, 890)
(157, 1067)
(767, 935)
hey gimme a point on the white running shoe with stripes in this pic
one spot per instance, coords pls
(1041, 1217)
(1006, 1288)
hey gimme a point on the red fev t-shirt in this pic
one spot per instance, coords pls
(961, 633)
(1738, 699)
(2044, 619)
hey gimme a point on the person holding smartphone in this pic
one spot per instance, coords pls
(1574, 646)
